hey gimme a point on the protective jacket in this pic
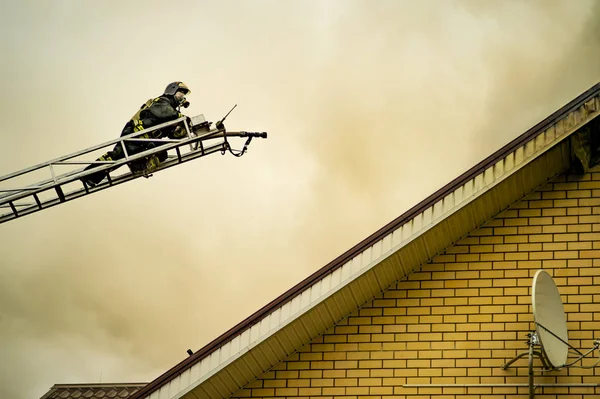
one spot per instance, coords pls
(153, 112)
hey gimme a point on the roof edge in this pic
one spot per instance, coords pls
(370, 240)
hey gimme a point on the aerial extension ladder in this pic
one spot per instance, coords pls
(42, 186)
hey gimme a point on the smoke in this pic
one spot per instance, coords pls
(370, 108)
(412, 96)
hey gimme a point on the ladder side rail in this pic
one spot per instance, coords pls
(214, 134)
(119, 180)
(109, 164)
(58, 161)
(90, 149)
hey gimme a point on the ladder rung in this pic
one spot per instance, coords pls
(60, 193)
(37, 200)
(14, 209)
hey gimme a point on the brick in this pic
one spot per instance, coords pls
(479, 318)
(579, 245)
(516, 222)
(588, 184)
(334, 391)
(470, 345)
(505, 282)
(311, 373)
(384, 320)
(393, 381)
(555, 229)
(541, 255)
(534, 238)
(494, 223)
(505, 231)
(359, 320)
(346, 329)
(505, 248)
(588, 219)
(432, 284)
(555, 211)
(369, 382)
(458, 249)
(557, 194)
(480, 265)
(468, 241)
(518, 239)
(529, 212)
(309, 391)
(540, 221)
(492, 240)
(357, 390)
(454, 372)
(334, 339)
(569, 219)
(346, 364)
(480, 283)
(541, 204)
(334, 373)
(274, 383)
(454, 354)
(516, 291)
(565, 237)
(589, 202)
(394, 311)
(579, 193)
(556, 263)
(590, 272)
(298, 365)
(559, 246)
(517, 309)
(370, 312)
(530, 247)
(380, 372)
(468, 363)
(480, 300)
(375, 392)
(573, 254)
(566, 202)
(579, 228)
(516, 256)
(383, 303)
(584, 210)
(346, 347)
(263, 392)
(589, 236)
(321, 365)
(504, 300)
(286, 392)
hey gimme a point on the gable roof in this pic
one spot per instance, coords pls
(85, 391)
(306, 310)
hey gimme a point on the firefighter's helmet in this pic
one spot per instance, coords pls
(174, 87)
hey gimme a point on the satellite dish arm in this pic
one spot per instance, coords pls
(560, 339)
(582, 356)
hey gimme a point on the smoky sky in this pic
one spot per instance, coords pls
(370, 106)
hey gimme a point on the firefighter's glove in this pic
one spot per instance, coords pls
(179, 132)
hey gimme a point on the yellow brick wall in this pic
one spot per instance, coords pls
(464, 314)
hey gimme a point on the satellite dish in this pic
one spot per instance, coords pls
(550, 331)
(550, 320)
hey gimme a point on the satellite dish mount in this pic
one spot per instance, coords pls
(550, 333)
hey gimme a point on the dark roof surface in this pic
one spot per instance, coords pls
(93, 391)
(372, 239)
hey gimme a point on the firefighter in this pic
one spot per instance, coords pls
(153, 112)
